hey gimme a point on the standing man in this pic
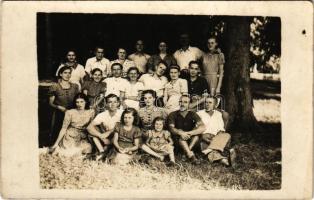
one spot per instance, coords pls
(186, 54)
(99, 61)
(102, 126)
(126, 63)
(197, 87)
(139, 57)
(213, 66)
(186, 126)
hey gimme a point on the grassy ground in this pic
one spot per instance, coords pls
(258, 163)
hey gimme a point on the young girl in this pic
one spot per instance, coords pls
(159, 142)
(95, 90)
(126, 138)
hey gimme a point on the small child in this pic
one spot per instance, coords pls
(126, 138)
(95, 90)
(159, 142)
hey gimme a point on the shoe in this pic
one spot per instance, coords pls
(171, 164)
(225, 162)
(194, 160)
(100, 156)
(232, 158)
(184, 158)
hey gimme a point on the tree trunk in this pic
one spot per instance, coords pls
(237, 88)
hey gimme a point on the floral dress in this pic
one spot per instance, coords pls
(75, 139)
(147, 115)
(159, 142)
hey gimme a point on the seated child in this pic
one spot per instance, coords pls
(159, 142)
(126, 139)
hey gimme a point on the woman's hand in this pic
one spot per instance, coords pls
(61, 108)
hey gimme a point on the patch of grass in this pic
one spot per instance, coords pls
(258, 168)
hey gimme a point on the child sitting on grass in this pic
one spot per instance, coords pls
(159, 142)
(126, 138)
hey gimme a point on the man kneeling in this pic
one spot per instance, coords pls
(215, 141)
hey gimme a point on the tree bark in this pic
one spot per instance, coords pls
(239, 102)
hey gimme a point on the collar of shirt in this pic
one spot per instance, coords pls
(216, 51)
(156, 76)
(139, 53)
(188, 49)
(157, 134)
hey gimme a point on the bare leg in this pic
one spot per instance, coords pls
(194, 140)
(151, 152)
(186, 148)
(98, 144)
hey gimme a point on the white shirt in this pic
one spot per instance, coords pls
(140, 61)
(152, 82)
(77, 74)
(115, 85)
(185, 57)
(103, 64)
(106, 120)
(134, 89)
(213, 123)
(126, 65)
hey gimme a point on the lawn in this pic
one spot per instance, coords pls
(258, 164)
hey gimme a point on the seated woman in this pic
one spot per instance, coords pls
(61, 95)
(159, 142)
(133, 89)
(95, 90)
(126, 139)
(174, 89)
(149, 112)
(72, 138)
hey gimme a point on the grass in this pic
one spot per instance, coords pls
(257, 169)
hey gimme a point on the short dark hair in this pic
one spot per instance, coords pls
(134, 113)
(152, 92)
(213, 37)
(185, 95)
(133, 68)
(121, 67)
(159, 119)
(162, 62)
(99, 47)
(81, 96)
(95, 70)
(111, 96)
(194, 62)
(62, 69)
(175, 66)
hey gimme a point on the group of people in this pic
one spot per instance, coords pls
(159, 104)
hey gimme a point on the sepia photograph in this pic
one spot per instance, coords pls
(156, 100)
(133, 101)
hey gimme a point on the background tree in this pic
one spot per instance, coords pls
(237, 90)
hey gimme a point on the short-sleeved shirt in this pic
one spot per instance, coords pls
(184, 57)
(157, 139)
(213, 123)
(93, 88)
(155, 59)
(127, 136)
(152, 82)
(115, 85)
(106, 120)
(186, 123)
(103, 65)
(212, 61)
(77, 74)
(140, 61)
(179, 87)
(134, 89)
(63, 97)
(148, 115)
(198, 86)
(127, 64)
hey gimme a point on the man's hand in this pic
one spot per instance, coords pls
(184, 135)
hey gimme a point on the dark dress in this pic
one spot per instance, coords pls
(94, 90)
(63, 97)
